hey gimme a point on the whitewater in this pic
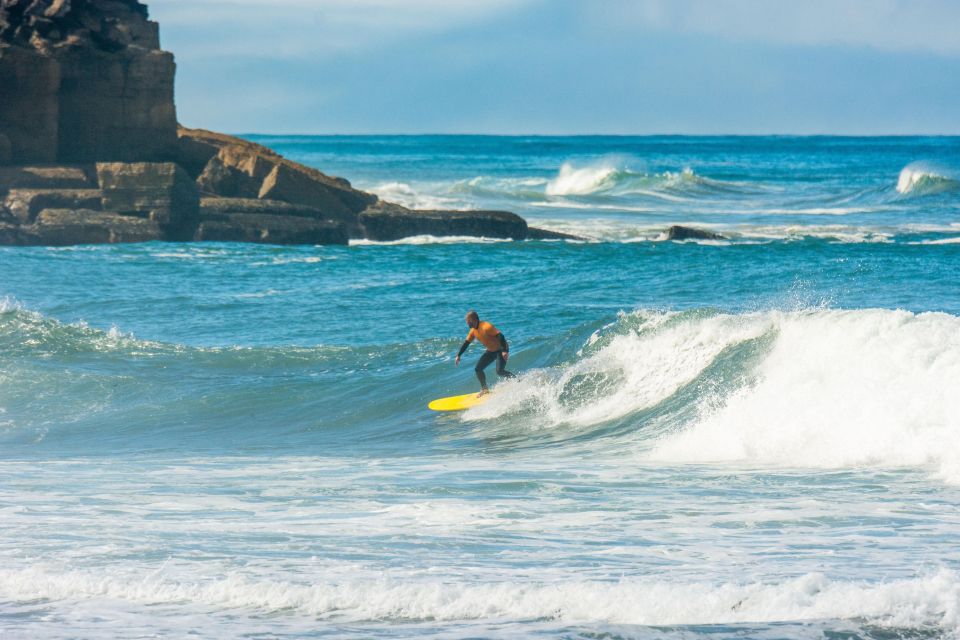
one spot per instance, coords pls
(754, 436)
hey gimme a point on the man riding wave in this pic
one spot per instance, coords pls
(495, 343)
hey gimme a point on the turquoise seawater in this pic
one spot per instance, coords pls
(752, 437)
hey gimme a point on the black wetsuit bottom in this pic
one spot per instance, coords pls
(484, 362)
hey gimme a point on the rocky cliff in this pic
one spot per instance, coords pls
(90, 150)
(84, 80)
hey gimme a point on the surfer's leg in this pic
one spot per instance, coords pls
(482, 364)
(501, 366)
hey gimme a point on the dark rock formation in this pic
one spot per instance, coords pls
(220, 206)
(24, 204)
(677, 232)
(270, 221)
(84, 81)
(386, 222)
(49, 177)
(59, 227)
(160, 191)
(533, 233)
(244, 227)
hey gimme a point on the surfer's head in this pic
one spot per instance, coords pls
(473, 320)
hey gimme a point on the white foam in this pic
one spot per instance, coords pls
(936, 242)
(427, 239)
(840, 389)
(584, 181)
(929, 601)
(632, 371)
(408, 196)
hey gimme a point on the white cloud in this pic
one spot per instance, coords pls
(297, 28)
(930, 26)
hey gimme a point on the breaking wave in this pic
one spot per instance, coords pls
(921, 179)
(807, 389)
(813, 388)
(608, 179)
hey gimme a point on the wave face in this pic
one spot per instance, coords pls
(804, 389)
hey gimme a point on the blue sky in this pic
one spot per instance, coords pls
(566, 66)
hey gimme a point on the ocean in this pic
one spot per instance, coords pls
(756, 436)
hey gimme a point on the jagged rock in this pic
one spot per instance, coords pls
(678, 232)
(211, 207)
(194, 151)
(239, 168)
(160, 191)
(52, 177)
(270, 229)
(61, 227)
(84, 81)
(386, 222)
(290, 183)
(25, 204)
(227, 181)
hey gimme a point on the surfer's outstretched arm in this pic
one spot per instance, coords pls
(463, 347)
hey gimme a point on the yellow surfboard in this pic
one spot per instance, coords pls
(458, 403)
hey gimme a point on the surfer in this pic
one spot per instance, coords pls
(497, 349)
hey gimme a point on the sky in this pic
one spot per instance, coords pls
(557, 67)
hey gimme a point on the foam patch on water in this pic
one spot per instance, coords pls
(930, 602)
(428, 239)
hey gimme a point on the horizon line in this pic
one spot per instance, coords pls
(593, 135)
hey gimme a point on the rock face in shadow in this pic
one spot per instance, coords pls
(267, 221)
(83, 81)
(61, 227)
(677, 232)
(159, 191)
(386, 222)
(25, 204)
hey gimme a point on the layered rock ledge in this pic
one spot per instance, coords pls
(91, 152)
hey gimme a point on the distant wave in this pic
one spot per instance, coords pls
(606, 178)
(815, 388)
(406, 195)
(921, 179)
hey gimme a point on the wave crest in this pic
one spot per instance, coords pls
(921, 179)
